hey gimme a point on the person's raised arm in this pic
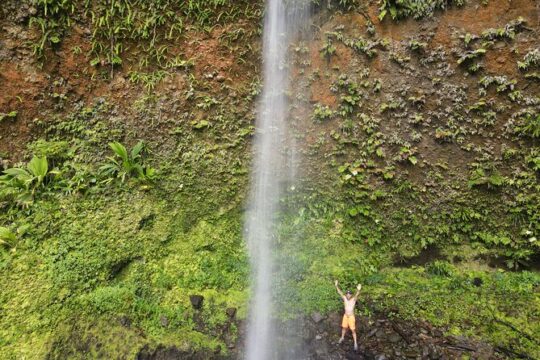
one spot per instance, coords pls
(358, 287)
(338, 289)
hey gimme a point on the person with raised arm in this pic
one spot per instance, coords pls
(349, 321)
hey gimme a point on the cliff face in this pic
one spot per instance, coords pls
(418, 144)
(428, 126)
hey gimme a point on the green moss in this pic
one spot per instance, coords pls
(88, 262)
(455, 303)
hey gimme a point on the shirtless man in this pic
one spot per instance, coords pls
(348, 321)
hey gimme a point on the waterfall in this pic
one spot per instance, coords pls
(271, 170)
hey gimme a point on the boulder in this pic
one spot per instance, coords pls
(477, 282)
(317, 317)
(164, 321)
(125, 321)
(394, 338)
(196, 301)
(410, 353)
(231, 312)
(372, 332)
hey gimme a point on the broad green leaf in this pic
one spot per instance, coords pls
(120, 150)
(15, 172)
(137, 150)
(7, 237)
(39, 167)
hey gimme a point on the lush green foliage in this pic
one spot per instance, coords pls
(416, 8)
(131, 255)
(115, 23)
(94, 259)
(464, 302)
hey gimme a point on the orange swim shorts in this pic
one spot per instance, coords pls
(348, 322)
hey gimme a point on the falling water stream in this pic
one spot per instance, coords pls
(271, 170)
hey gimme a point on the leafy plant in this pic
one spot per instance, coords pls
(127, 164)
(398, 9)
(440, 268)
(509, 31)
(416, 45)
(7, 237)
(533, 160)
(487, 176)
(529, 125)
(322, 113)
(328, 50)
(407, 154)
(468, 38)
(502, 83)
(149, 80)
(534, 76)
(470, 55)
(22, 184)
(10, 115)
(531, 59)
(361, 45)
(55, 151)
(52, 19)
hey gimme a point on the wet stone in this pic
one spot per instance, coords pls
(410, 353)
(317, 317)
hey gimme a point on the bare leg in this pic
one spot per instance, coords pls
(354, 337)
(343, 331)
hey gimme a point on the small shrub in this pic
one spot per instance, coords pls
(440, 268)
(416, 45)
(398, 9)
(528, 125)
(328, 50)
(10, 115)
(531, 59)
(322, 113)
(486, 176)
(508, 32)
(22, 184)
(7, 237)
(468, 56)
(127, 164)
